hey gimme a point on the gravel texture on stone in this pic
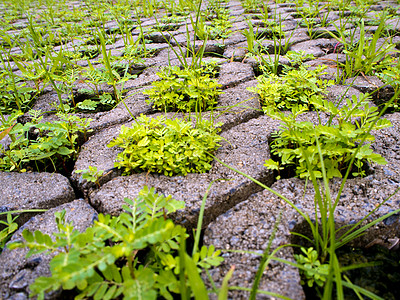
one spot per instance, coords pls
(234, 73)
(24, 191)
(249, 226)
(17, 271)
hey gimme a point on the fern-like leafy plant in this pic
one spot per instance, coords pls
(134, 255)
(184, 90)
(170, 147)
(338, 141)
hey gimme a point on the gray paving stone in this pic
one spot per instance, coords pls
(24, 191)
(248, 227)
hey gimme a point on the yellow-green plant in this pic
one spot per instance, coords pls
(10, 226)
(184, 90)
(294, 87)
(169, 147)
(91, 174)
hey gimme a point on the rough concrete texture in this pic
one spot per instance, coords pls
(249, 226)
(359, 197)
(318, 47)
(387, 144)
(238, 215)
(233, 73)
(24, 191)
(17, 272)
(381, 92)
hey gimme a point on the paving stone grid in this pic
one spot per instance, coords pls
(239, 215)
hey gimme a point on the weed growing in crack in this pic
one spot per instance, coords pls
(344, 136)
(140, 253)
(314, 272)
(10, 225)
(294, 87)
(169, 147)
(364, 56)
(184, 90)
(38, 146)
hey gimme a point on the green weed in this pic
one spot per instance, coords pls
(103, 262)
(48, 146)
(170, 147)
(294, 87)
(339, 143)
(184, 90)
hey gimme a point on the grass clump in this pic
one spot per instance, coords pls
(190, 89)
(169, 147)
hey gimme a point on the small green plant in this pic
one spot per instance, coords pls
(253, 6)
(10, 227)
(338, 142)
(297, 58)
(391, 76)
(189, 50)
(184, 90)
(41, 145)
(91, 174)
(137, 255)
(170, 147)
(294, 87)
(314, 271)
(250, 38)
(269, 63)
(220, 23)
(110, 75)
(313, 16)
(95, 77)
(255, 37)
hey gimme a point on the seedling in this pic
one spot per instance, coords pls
(91, 174)
(314, 271)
